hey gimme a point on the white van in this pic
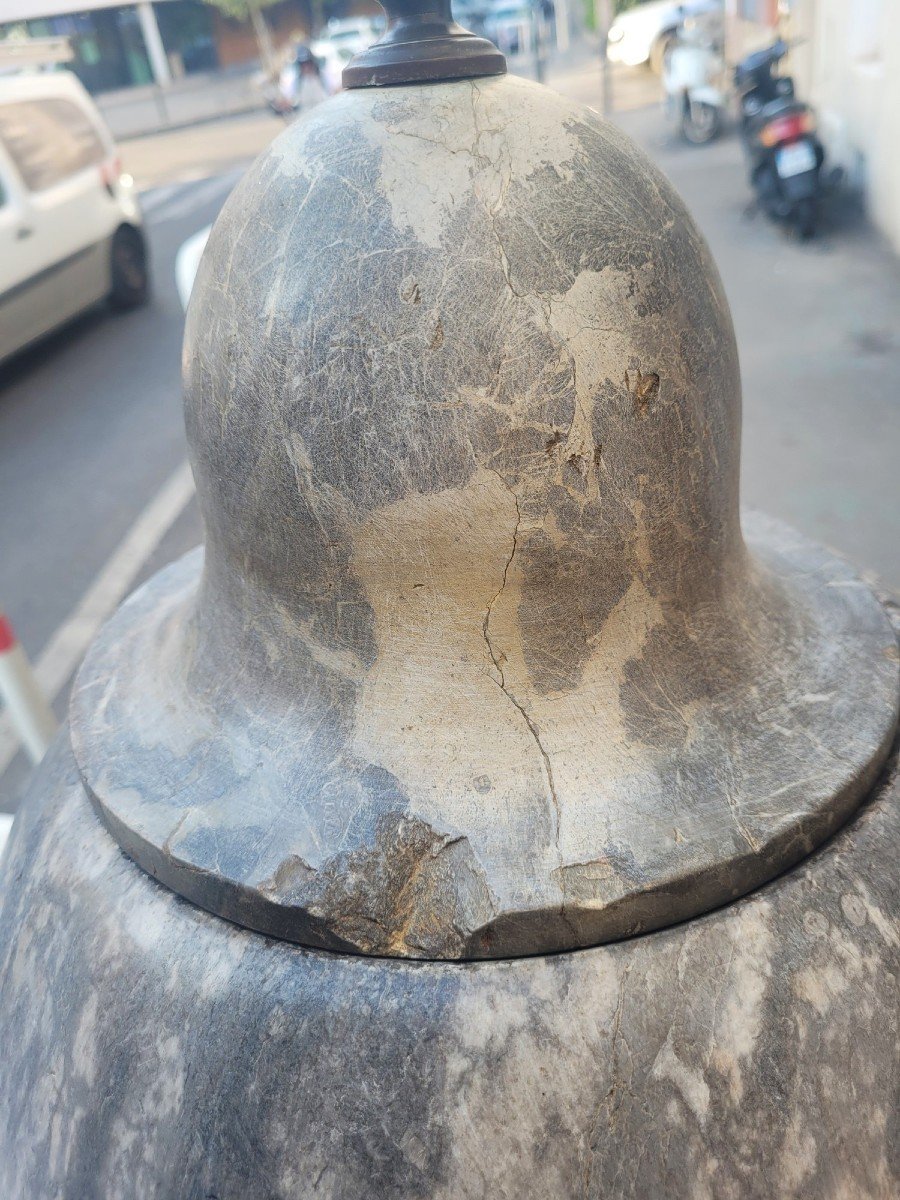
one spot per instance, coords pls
(70, 224)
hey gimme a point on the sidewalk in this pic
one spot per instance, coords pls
(818, 330)
(132, 112)
(198, 151)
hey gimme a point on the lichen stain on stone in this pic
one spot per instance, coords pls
(434, 154)
(739, 1010)
(430, 711)
(798, 1156)
(688, 1080)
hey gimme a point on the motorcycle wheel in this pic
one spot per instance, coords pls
(700, 122)
(659, 52)
(805, 218)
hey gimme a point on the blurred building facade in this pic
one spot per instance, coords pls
(845, 58)
(123, 45)
(848, 62)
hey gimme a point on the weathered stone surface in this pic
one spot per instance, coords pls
(479, 664)
(154, 1051)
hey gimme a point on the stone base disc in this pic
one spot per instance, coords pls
(267, 811)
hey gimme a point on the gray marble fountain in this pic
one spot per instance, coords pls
(486, 813)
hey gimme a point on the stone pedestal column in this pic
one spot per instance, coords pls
(470, 819)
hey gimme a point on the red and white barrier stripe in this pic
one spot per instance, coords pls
(30, 714)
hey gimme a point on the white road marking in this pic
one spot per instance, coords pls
(187, 263)
(152, 198)
(192, 196)
(6, 821)
(63, 653)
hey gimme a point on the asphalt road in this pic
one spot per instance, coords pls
(91, 426)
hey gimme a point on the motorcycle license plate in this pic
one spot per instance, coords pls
(795, 159)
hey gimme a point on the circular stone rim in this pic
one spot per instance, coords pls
(522, 933)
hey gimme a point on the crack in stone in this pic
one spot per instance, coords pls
(167, 844)
(501, 680)
(487, 616)
(544, 755)
(443, 146)
(612, 1101)
(741, 826)
(504, 261)
(489, 212)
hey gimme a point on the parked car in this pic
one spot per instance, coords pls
(339, 41)
(70, 224)
(644, 33)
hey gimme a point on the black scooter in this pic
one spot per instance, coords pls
(778, 132)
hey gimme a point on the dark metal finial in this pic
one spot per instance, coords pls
(422, 44)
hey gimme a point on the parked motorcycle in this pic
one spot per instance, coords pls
(692, 77)
(779, 135)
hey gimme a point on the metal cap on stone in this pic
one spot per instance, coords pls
(422, 44)
(479, 662)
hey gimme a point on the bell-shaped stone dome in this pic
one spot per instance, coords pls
(478, 662)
